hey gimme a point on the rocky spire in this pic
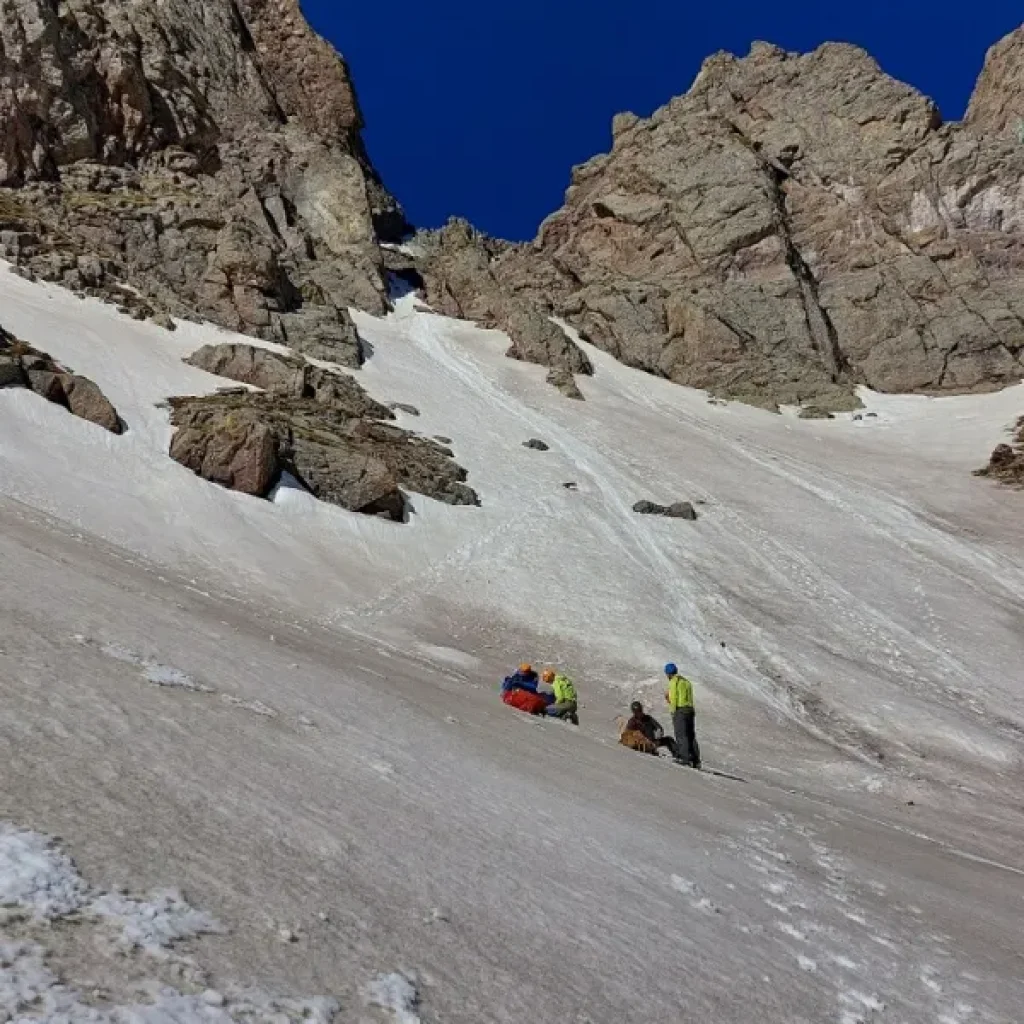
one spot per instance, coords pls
(998, 101)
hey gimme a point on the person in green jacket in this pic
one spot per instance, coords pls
(566, 702)
(684, 716)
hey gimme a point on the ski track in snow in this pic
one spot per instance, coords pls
(827, 591)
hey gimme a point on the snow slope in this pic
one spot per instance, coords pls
(249, 692)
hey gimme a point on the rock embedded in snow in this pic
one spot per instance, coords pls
(537, 445)
(457, 270)
(22, 366)
(1007, 462)
(289, 375)
(562, 380)
(678, 510)
(230, 447)
(409, 410)
(245, 441)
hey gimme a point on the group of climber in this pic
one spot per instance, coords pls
(646, 734)
(522, 690)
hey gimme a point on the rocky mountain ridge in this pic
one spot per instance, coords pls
(790, 228)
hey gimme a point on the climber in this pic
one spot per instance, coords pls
(519, 691)
(650, 729)
(524, 678)
(684, 716)
(566, 700)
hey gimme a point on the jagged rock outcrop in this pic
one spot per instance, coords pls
(22, 366)
(998, 101)
(792, 227)
(319, 426)
(289, 375)
(460, 282)
(206, 153)
(1007, 462)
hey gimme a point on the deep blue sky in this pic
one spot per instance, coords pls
(481, 109)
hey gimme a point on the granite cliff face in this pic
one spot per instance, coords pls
(197, 157)
(793, 226)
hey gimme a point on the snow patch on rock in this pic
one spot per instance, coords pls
(398, 995)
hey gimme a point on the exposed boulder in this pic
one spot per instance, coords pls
(87, 402)
(319, 426)
(22, 366)
(562, 380)
(230, 447)
(537, 445)
(678, 510)
(288, 375)
(791, 228)
(1007, 462)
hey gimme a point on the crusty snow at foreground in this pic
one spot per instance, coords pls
(289, 713)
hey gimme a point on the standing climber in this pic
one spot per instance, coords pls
(566, 702)
(650, 728)
(684, 716)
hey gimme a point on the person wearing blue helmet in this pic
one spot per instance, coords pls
(684, 716)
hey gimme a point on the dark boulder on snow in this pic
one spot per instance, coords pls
(537, 445)
(1007, 462)
(564, 381)
(679, 510)
(409, 410)
(22, 366)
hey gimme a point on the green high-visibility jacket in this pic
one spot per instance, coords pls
(680, 693)
(564, 691)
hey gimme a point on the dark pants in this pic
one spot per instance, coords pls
(566, 710)
(684, 721)
(669, 744)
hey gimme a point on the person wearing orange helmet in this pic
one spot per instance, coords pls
(524, 678)
(519, 691)
(566, 702)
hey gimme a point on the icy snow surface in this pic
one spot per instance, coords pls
(323, 755)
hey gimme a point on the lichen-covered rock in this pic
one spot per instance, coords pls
(792, 227)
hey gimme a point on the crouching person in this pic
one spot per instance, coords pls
(566, 702)
(642, 724)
